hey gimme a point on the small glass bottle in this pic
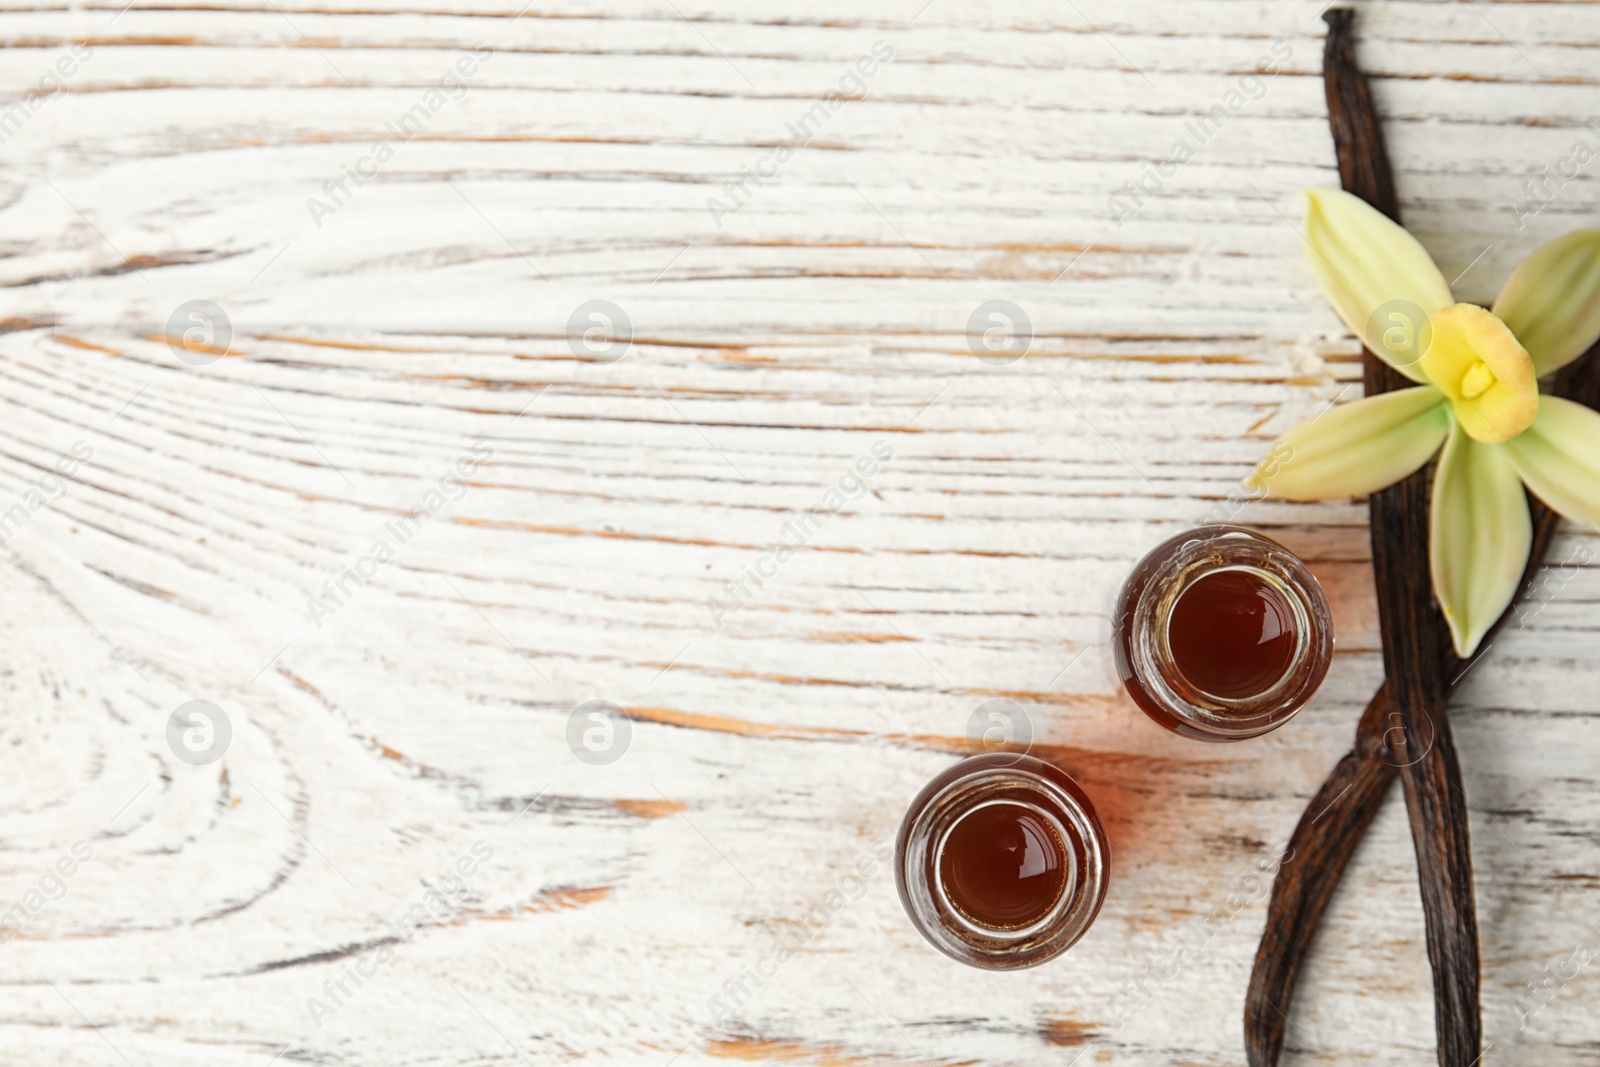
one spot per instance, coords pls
(1001, 862)
(1222, 634)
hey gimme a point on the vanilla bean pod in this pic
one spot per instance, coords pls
(1413, 631)
(1421, 669)
(1339, 815)
(1314, 861)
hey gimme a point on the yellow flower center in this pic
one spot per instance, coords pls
(1483, 371)
(1477, 380)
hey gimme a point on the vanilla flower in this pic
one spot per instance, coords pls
(1477, 398)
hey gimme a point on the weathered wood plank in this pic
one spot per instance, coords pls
(827, 316)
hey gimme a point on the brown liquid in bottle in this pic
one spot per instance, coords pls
(1232, 635)
(1003, 866)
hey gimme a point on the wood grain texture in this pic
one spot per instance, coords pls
(770, 756)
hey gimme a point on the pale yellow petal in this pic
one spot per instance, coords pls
(1558, 458)
(1552, 300)
(1481, 534)
(1378, 277)
(1488, 376)
(1357, 448)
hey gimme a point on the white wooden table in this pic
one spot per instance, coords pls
(295, 897)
